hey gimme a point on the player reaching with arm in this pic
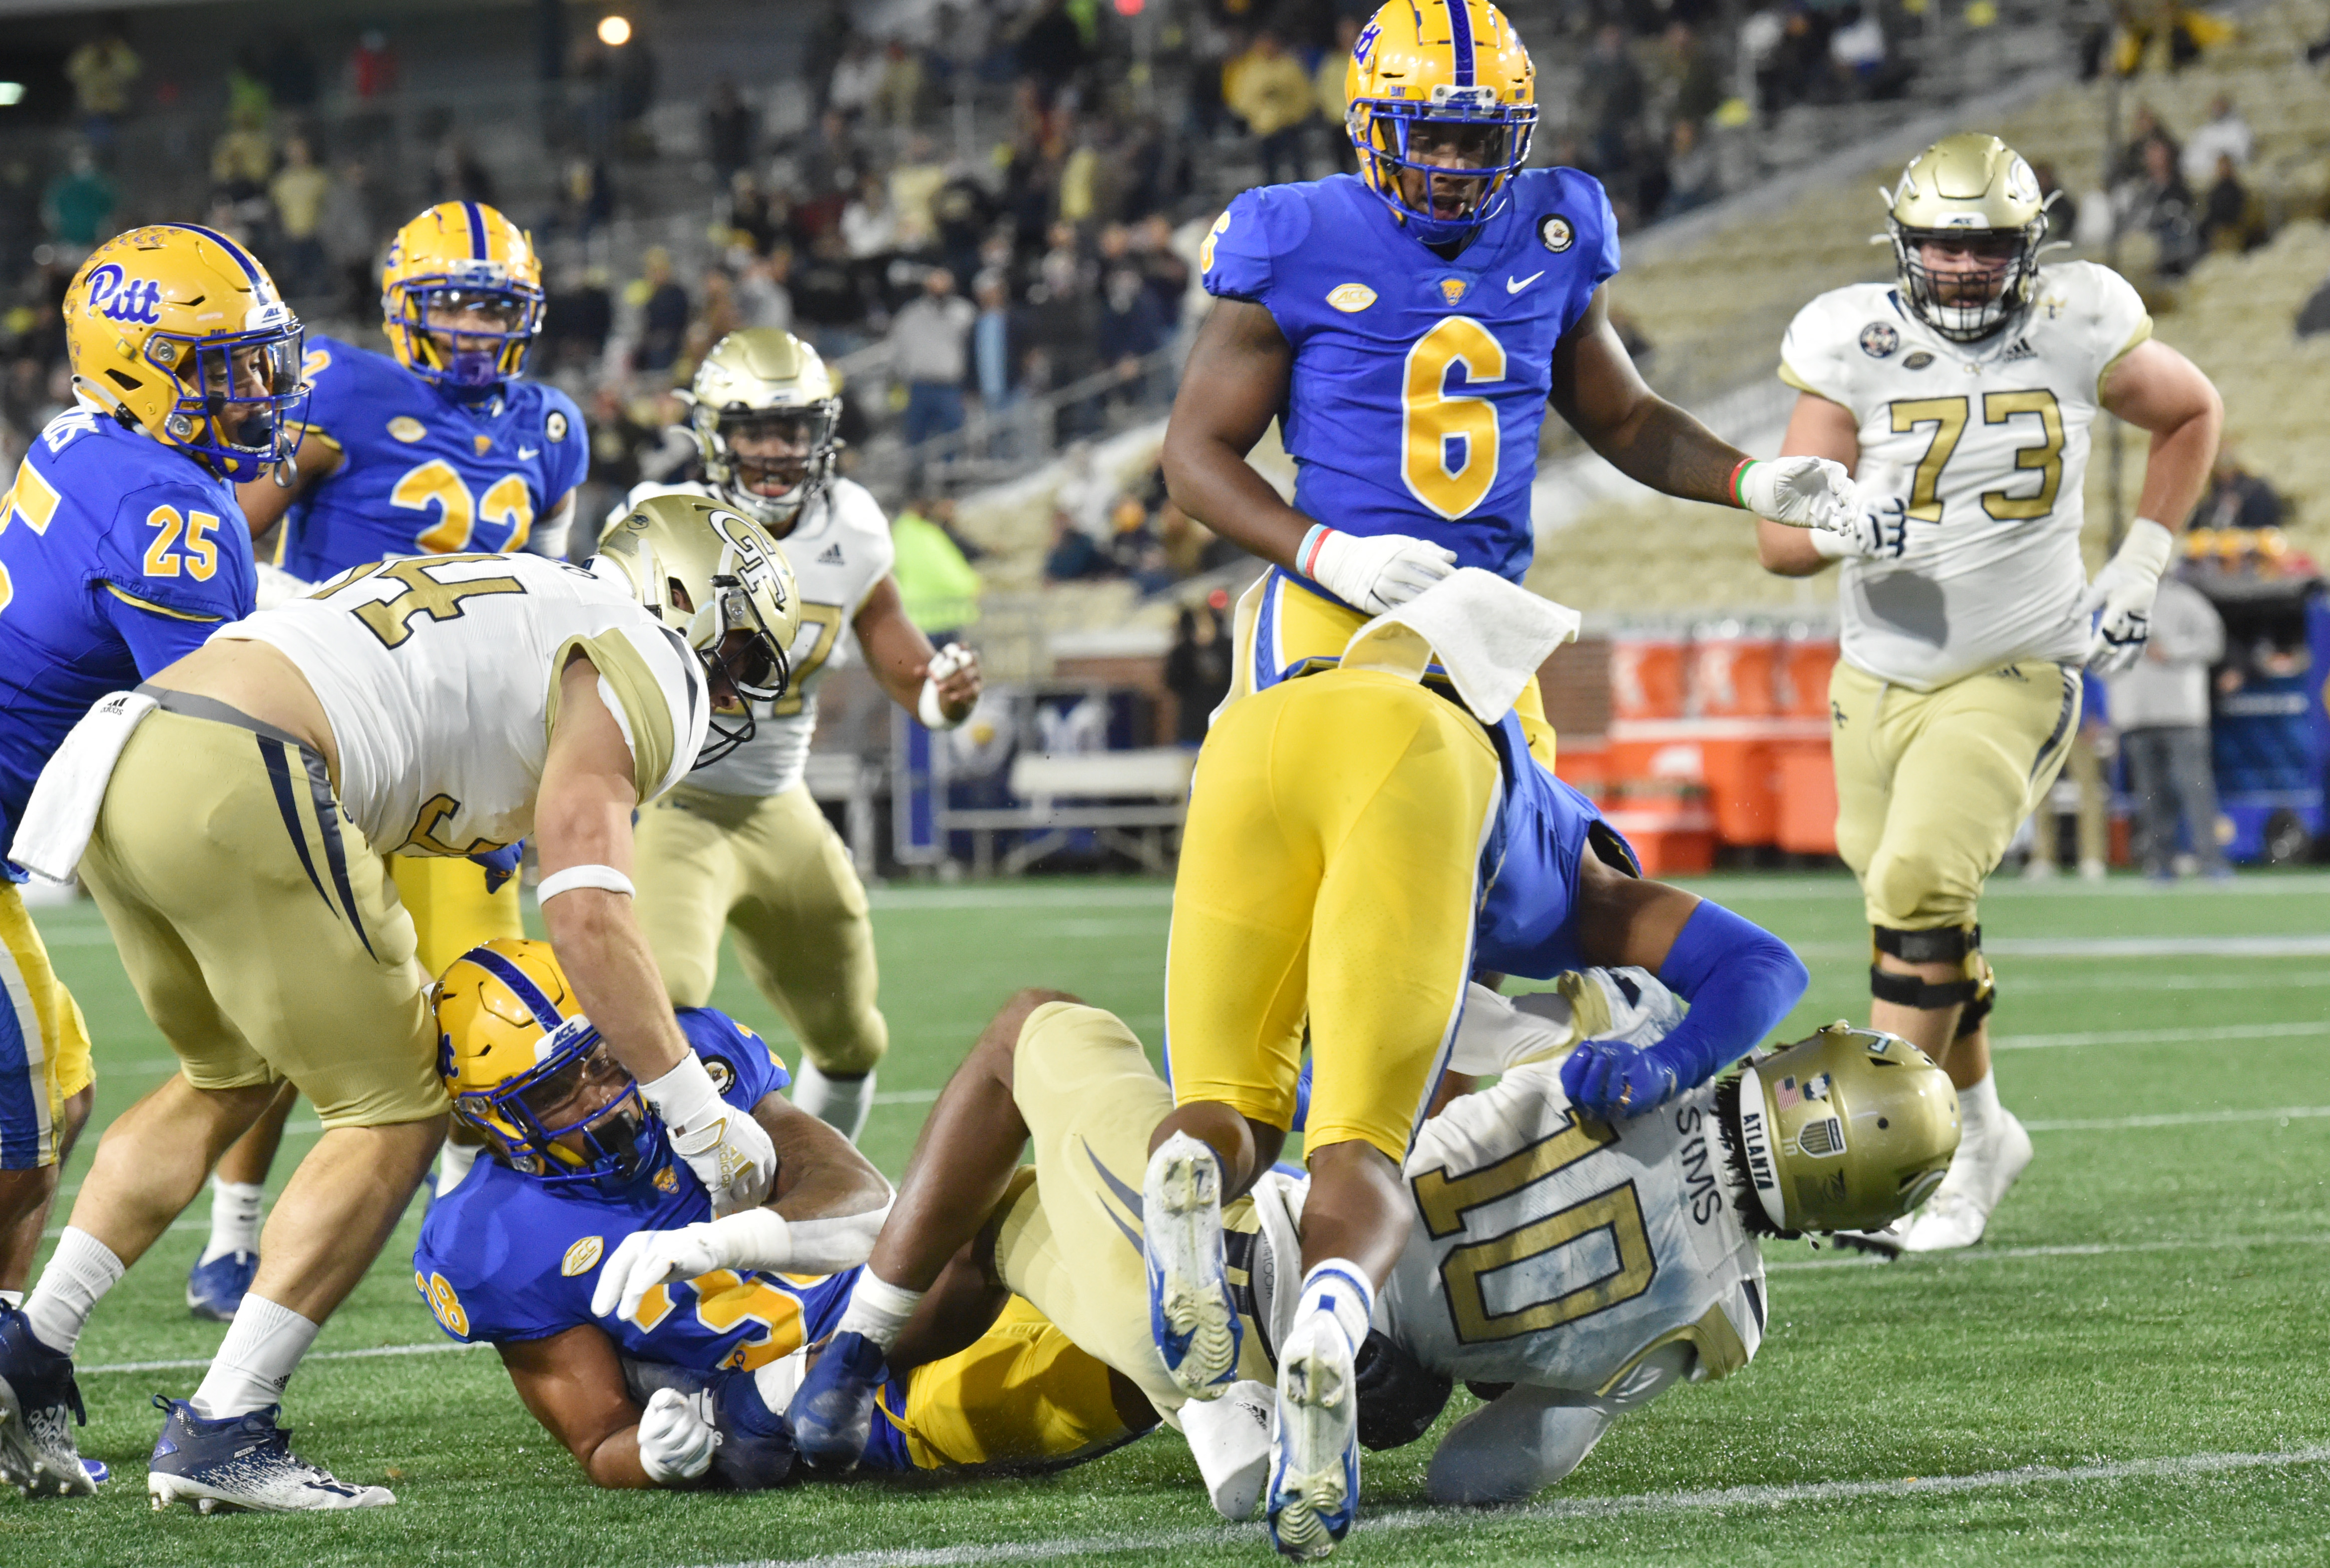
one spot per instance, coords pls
(1963, 397)
(440, 447)
(227, 817)
(743, 844)
(121, 549)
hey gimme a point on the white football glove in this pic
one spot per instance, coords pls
(1374, 573)
(1880, 533)
(725, 1147)
(676, 1436)
(647, 1259)
(929, 708)
(1801, 492)
(2123, 592)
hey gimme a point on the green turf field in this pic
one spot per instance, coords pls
(2142, 1336)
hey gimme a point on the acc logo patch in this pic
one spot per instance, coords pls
(583, 1256)
(1205, 250)
(405, 428)
(1452, 290)
(1918, 361)
(723, 1076)
(446, 1305)
(117, 299)
(1878, 340)
(1555, 234)
(555, 427)
(1351, 297)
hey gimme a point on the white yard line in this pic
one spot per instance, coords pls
(1158, 1542)
(1844, 1259)
(197, 1364)
(2180, 1119)
(2160, 1036)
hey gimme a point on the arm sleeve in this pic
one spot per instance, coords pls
(1739, 980)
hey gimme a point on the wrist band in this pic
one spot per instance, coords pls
(1306, 556)
(1732, 484)
(575, 877)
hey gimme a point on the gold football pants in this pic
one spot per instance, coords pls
(43, 1042)
(1330, 869)
(1021, 1395)
(772, 870)
(1930, 786)
(450, 909)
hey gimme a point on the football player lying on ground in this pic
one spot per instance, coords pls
(660, 1347)
(1568, 1269)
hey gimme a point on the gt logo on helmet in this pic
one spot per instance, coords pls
(140, 299)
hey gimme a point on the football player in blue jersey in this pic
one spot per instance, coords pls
(659, 1344)
(122, 547)
(437, 447)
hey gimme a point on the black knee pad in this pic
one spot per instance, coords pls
(1959, 945)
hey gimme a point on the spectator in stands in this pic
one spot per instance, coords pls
(243, 156)
(2143, 129)
(1132, 326)
(1074, 554)
(869, 225)
(2236, 498)
(857, 80)
(1197, 672)
(937, 583)
(1693, 179)
(372, 67)
(103, 72)
(2225, 136)
(1166, 274)
(2062, 208)
(730, 131)
(577, 319)
(298, 190)
(2164, 207)
(828, 296)
(763, 299)
(1327, 88)
(77, 208)
(914, 182)
(2161, 708)
(1857, 50)
(349, 228)
(2229, 216)
(898, 100)
(663, 311)
(1267, 88)
(1190, 547)
(991, 358)
(1054, 47)
(962, 212)
(1611, 101)
(929, 351)
(1689, 80)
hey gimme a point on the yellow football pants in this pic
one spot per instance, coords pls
(450, 909)
(1930, 786)
(43, 1042)
(1023, 1395)
(1330, 867)
(772, 870)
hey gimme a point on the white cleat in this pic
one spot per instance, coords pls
(1191, 1316)
(1314, 1473)
(1959, 1211)
(1229, 1437)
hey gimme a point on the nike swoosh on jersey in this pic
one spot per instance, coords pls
(1514, 285)
(527, 454)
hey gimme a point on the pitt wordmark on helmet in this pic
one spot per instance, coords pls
(464, 260)
(179, 330)
(1847, 1129)
(1453, 65)
(765, 383)
(717, 579)
(1967, 190)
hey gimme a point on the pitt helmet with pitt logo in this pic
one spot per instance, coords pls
(171, 327)
(710, 573)
(1440, 63)
(462, 256)
(1847, 1129)
(1967, 189)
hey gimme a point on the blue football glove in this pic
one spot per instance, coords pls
(501, 865)
(1608, 1080)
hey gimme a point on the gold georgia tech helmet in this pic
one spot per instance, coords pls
(1847, 1129)
(1970, 188)
(764, 381)
(715, 577)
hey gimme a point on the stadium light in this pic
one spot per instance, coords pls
(614, 31)
(11, 94)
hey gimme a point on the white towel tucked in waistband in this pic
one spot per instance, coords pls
(1488, 633)
(63, 812)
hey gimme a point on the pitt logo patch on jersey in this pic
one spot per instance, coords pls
(1352, 298)
(1556, 232)
(583, 1256)
(666, 1180)
(1878, 340)
(405, 428)
(483, 443)
(555, 427)
(137, 299)
(1452, 290)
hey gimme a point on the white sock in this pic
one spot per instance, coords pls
(453, 1164)
(235, 1209)
(82, 1270)
(878, 1310)
(1978, 1110)
(1339, 1288)
(262, 1348)
(12, 1299)
(838, 1103)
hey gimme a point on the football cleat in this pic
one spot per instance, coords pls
(39, 1405)
(832, 1413)
(242, 1461)
(1314, 1463)
(1960, 1209)
(1192, 1316)
(215, 1288)
(756, 1448)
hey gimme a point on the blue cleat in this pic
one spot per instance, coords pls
(832, 1413)
(37, 1396)
(1314, 1463)
(756, 1447)
(215, 1288)
(1192, 1316)
(242, 1461)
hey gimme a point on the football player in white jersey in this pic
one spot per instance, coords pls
(228, 816)
(742, 844)
(1962, 396)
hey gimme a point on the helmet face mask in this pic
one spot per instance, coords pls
(1441, 109)
(468, 338)
(461, 298)
(763, 388)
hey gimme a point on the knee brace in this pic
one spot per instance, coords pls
(1959, 945)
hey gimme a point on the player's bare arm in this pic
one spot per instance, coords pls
(265, 500)
(573, 1383)
(901, 656)
(1603, 398)
(1625, 921)
(820, 1175)
(1235, 385)
(1817, 427)
(2162, 394)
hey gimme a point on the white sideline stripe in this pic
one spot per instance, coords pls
(2077, 1250)
(2180, 1119)
(2159, 1037)
(199, 1362)
(1157, 1542)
